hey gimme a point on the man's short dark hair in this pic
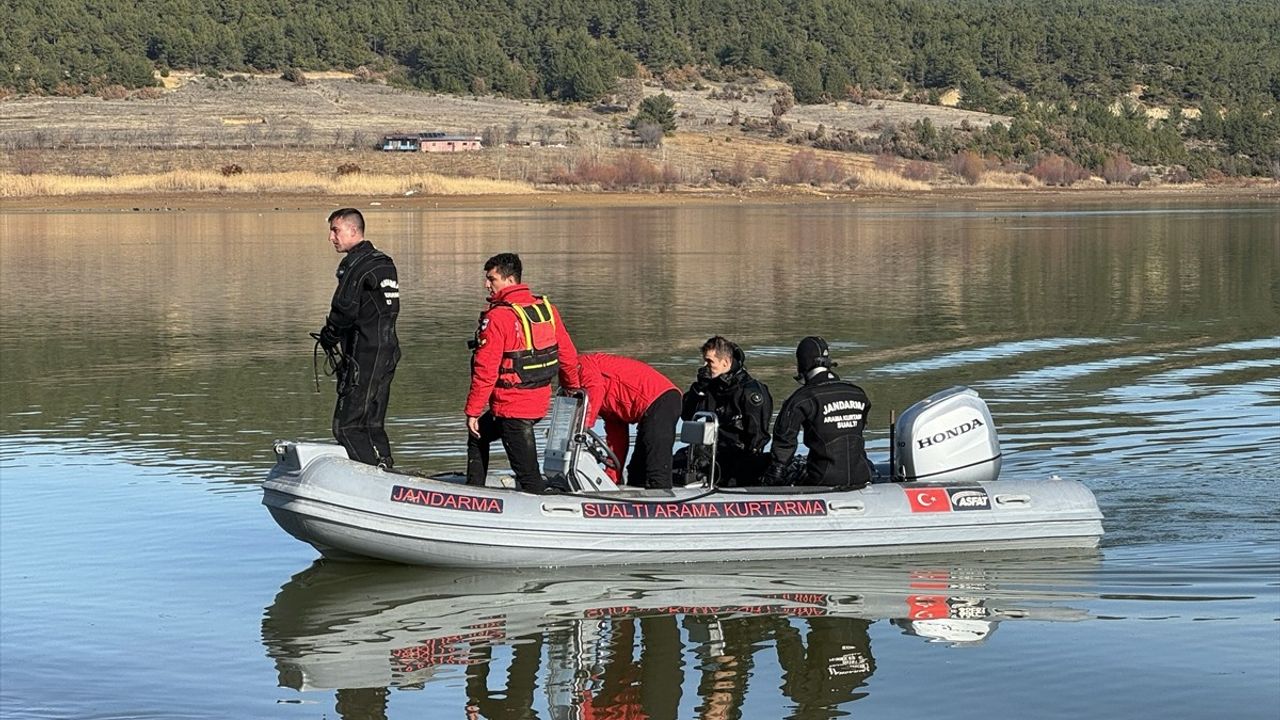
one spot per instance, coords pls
(350, 215)
(507, 265)
(720, 346)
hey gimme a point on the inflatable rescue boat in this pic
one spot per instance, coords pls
(939, 492)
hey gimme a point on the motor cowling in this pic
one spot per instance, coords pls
(947, 437)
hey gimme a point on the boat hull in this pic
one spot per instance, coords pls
(348, 510)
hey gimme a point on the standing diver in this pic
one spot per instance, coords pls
(360, 333)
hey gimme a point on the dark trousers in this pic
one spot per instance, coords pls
(655, 437)
(359, 414)
(522, 451)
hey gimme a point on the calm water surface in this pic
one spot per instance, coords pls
(150, 359)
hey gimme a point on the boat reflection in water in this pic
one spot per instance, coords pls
(622, 640)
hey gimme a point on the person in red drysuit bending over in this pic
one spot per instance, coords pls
(625, 391)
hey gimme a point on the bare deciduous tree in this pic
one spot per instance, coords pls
(544, 132)
(628, 91)
(491, 136)
(650, 134)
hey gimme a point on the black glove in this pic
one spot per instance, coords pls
(329, 337)
(703, 382)
(773, 476)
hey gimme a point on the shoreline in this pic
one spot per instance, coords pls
(184, 201)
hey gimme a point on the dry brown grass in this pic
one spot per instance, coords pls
(1000, 179)
(189, 181)
(698, 153)
(872, 179)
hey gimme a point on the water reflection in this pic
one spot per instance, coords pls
(1053, 303)
(660, 642)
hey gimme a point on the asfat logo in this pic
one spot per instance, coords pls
(969, 499)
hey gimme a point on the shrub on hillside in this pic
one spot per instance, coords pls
(232, 169)
(294, 75)
(920, 170)
(348, 169)
(801, 169)
(968, 165)
(831, 172)
(736, 175)
(1057, 170)
(626, 170)
(1117, 169)
(112, 92)
(783, 101)
(633, 169)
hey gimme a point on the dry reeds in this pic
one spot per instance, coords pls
(871, 179)
(1001, 179)
(194, 181)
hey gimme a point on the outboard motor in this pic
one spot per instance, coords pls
(949, 436)
(570, 460)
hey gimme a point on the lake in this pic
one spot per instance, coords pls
(151, 358)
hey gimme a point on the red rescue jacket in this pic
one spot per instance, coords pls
(620, 390)
(515, 341)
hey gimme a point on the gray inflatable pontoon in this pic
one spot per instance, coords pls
(948, 500)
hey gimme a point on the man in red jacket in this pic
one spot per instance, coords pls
(625, 391)
(521, 345)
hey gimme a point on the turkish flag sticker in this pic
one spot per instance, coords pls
(928, 499)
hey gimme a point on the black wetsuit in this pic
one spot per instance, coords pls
(362, 323)
(833, 415)
(743, 406)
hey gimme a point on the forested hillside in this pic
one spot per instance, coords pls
(1055, 64)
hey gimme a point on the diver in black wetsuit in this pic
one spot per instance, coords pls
(833, 414)
(361, 332)
(742, 405)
